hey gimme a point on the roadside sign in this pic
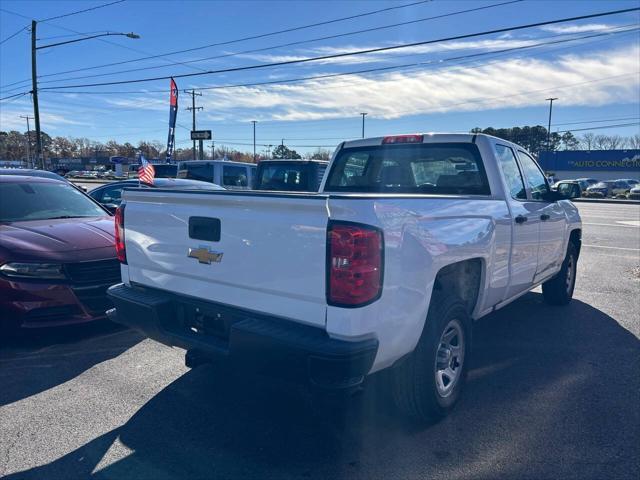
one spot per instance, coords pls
(200, 134)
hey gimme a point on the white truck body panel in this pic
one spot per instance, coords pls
(274, 248)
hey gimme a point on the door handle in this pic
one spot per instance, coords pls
(521, 219)
(544, 217)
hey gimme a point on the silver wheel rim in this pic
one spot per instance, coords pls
(449, 358)
(570, 273)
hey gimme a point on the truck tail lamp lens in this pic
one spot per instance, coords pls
(355, 264)
(402, 139)
(121, 252)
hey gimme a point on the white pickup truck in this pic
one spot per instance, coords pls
(410, 239)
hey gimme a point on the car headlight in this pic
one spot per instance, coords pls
(33, 270)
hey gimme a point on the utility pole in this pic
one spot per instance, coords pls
(213, 149)
(34, 92)
(549, 128)
(364, 114)
(29, 164)
(193, 109)
(254, 139)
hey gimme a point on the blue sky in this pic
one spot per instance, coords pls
(596, 79)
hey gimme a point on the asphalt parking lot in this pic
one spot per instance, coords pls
(554, 392)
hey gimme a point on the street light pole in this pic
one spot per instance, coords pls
(364, 114)
(254, 139)
(34, 80)
(549, 128)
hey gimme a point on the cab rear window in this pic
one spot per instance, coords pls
(452, 168)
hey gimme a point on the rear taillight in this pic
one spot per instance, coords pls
(355, 264)
(121, 252)
(402, 139)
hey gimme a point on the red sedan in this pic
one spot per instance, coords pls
(57, 254)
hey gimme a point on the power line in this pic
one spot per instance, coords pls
(494, 53)
(243, 39)
(13, 35)
(595, 121)
(290, 44)
(14, 95)
(354, 53)
(600, 127)
(99, 39)
(81, 11)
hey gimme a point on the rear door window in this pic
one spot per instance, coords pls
(202, 172)
(444, 168)
(290, 177)
(234, 176)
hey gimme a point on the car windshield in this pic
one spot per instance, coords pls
(454, 168)
(601, 185)
(41, 201)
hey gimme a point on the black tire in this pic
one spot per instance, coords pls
(414, 387)
(559, 289)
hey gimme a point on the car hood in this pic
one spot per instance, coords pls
(69, 239)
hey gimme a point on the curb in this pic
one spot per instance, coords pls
(607, 200)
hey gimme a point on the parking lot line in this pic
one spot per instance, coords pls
(613, 248)
(610, 225)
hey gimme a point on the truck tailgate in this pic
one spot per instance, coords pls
(273, 249)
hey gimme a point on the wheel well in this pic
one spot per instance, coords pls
(576, 239)
(461, 279)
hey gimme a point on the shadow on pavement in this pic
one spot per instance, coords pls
(38, 360)
(553, 393)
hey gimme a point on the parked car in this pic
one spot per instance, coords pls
(411, 238)
(629, 181)
(290, 175)
(57, 254)
(634, 193)
(589, 181)
(32, 172)
(110, 195)
(608, 188)
(230, 175)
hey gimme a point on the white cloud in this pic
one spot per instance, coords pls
(481, 45)
(575, 28)
(496, 85)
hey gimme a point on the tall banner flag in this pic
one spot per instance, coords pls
(173, 113)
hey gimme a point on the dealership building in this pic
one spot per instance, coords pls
(598, 164)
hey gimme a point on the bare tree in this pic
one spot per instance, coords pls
(587, 141)
(634, 141)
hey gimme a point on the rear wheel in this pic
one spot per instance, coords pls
(429, 382)
(559, 290)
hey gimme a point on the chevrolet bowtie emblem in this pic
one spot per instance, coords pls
(204, 255)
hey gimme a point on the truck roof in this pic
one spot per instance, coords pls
(292, 160)
(429, 137)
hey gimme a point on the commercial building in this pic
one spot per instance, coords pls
(598, 164)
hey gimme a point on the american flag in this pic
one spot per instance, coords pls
(146, 172)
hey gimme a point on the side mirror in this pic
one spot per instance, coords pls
(569, 190)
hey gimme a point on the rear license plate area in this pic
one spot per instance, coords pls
(204, 321)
